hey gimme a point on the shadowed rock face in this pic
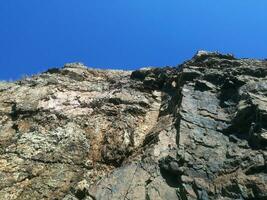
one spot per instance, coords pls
(197, 131)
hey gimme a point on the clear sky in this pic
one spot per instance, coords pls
(125, 34)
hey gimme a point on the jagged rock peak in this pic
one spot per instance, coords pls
(202, 53)
(75, 65)
(196, 131)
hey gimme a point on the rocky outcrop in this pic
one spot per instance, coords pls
(196, 131)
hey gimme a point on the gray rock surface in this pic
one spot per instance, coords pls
(195, 131)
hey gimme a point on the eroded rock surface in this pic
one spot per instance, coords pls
(196, 131)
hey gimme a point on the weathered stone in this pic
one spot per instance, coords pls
(197, 131)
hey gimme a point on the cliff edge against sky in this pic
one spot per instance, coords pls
(197, 131)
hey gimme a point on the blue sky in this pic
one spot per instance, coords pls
(125, 34)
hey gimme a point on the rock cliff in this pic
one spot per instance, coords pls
(195, 131)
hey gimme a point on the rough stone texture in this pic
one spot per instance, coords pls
(196, 131)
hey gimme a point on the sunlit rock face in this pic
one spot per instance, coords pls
(195, 131)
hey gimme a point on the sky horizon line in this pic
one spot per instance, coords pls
(126, 68)
(36, 35)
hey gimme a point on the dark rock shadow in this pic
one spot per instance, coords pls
(170, 171)
(171, 179)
